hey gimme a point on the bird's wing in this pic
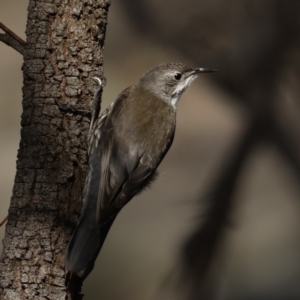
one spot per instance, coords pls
(118, 185)
(112, 157)
(88, 237)
(125, 166)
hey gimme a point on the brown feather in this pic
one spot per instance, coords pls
(128, 159)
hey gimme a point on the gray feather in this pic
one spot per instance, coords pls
(88, 237)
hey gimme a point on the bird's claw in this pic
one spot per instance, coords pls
(101, 82)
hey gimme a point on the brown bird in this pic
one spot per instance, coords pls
(127, 142)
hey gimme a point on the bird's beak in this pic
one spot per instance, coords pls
(203, 70)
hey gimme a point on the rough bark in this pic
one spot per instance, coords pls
(64, 51)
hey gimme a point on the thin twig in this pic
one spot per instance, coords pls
(12, 34)
(4, 221)
(11, 39)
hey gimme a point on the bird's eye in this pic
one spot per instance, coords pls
(177, 76)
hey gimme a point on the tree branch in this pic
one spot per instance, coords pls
(11, 39)
(3, 221)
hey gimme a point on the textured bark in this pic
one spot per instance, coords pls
(64, 51)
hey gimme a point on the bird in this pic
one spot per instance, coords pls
(126, 144)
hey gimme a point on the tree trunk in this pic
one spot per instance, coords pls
(64, 50)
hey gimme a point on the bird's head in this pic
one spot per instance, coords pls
(169, 81)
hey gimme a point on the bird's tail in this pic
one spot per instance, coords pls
(88, 236)
(85, 246)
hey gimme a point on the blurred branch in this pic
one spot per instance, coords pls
(200, 248)
(11, 39)
(251, 43)
(287, 145)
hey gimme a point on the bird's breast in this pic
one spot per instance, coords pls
(147, 122)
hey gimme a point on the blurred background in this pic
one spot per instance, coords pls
(236, 149)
